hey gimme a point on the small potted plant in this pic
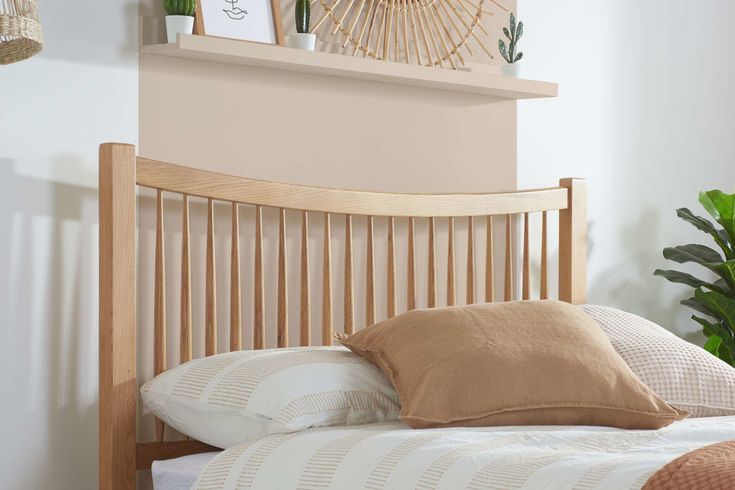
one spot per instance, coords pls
(180, 18)
(303, 39)
(509, 53)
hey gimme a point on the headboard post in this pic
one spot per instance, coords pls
(573, 243)
(117, 376)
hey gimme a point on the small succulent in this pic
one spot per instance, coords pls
(180, 7)
(513, 34)
(303, 16)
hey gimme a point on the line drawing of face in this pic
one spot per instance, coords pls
(234, 12)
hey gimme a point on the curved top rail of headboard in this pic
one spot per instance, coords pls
(213, 185)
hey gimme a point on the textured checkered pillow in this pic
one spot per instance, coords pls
(681, 373)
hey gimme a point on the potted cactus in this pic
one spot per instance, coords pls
(510, 52)
(303, 39)
(180, 18)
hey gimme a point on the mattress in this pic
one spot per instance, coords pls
(179, 473)
(392, 456)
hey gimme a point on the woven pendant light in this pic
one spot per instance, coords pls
(20, 30)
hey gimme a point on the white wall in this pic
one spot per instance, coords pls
(646, 112)
(54, 111)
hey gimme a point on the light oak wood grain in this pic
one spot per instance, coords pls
(117, 335)
(391, 272)
(451, 292)
(258, 284)
(282, 318)
(526, 287)
(305, 293)
(349, 294)
(327, 328)
(370, 276)
(411, 267)
(185, 348)
(431, 286)
(573, 243)
(235, 313)
(544, 287)
(210, 303)
(208, 184)
(489, 263)
(470, 261)
(159, 304)
(508, 293)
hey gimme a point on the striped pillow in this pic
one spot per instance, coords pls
(232, 398)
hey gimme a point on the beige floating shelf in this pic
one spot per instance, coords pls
(236, 52)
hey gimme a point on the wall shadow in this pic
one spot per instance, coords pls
(50, 306)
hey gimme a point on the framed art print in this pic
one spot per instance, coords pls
(249, 20)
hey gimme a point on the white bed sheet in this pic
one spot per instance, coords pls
(391, 456)
(179, 473)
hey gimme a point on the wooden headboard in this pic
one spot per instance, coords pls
(120, 171)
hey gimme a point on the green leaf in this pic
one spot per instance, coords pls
(708, 327)
(720, 283)
(725, 270)
(180, 7)
(503, 50)
(726, 354)
(722, 208)
(519, 31)
(723, 305)
(717, 348)
(303, 16)
(519, 57)
(702, 224)
(716, 329)
(688, 279)
(713, 344)
(697, 305)
(507, 34)
(706, 257)
(700, 254)
(513, 24)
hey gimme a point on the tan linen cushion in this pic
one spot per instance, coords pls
(519, 363)
(683, 374)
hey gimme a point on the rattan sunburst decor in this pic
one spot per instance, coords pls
(423, 32)
(20, 31)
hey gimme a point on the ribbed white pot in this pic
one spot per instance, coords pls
(511, 70)
(305, 41)
(176, 24)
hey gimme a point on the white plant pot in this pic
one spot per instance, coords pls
(176, 24)
(511, 70)
(305, 41)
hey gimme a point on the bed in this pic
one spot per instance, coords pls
(392, 456)
(383, 455)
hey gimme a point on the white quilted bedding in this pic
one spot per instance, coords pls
(392, 456)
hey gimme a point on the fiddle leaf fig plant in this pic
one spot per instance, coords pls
(513, 34)
(714, 298)
(180, 7)
(303, 16)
